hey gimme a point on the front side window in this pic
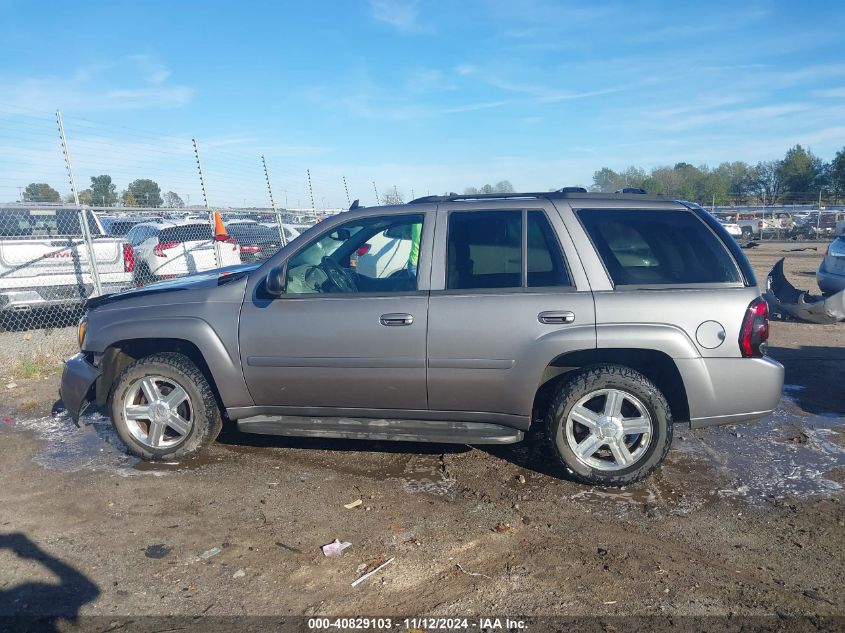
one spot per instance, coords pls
(671, 247)
(379, 254)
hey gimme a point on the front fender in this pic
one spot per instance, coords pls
(111, 329)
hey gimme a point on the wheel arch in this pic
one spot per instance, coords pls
(119, 343)
(655, 365)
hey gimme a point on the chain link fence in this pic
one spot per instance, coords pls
(53, 258)
(785, 223)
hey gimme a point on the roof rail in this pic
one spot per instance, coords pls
(566, 192)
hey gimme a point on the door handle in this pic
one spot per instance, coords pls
(396, 318)
(556, 317)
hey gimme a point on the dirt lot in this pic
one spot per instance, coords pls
(741, 521)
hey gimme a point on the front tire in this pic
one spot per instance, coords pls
(162, 407)
(609, 425)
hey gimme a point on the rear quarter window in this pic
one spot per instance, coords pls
(651, 247)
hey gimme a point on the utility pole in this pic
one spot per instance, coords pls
(273, 202)
(378, 200)
(218, 258)
(83, 216)
(348, 200)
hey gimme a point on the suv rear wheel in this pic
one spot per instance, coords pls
(609, 425)
(163, 407)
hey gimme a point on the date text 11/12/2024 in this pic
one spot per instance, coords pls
(416, 623)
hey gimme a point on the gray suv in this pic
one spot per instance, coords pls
(606, 318)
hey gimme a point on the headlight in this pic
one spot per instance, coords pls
(81, 329)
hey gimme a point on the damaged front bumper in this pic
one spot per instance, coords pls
(77, 388)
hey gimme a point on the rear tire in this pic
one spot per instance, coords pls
(609, 425)
(162, 407)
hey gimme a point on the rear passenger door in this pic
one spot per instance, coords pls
(508, 296)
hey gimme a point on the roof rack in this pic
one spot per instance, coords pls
(566, 192)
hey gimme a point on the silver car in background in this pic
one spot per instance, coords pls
(831, 273)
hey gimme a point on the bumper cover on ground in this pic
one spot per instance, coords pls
(78, 378)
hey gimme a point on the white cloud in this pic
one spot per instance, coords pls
(129, 83)
(400, 14)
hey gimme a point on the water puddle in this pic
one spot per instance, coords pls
(68, 448)
(787, 454)
(93, 446)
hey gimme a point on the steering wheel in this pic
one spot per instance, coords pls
(340, 279)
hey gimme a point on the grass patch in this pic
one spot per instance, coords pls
(36, 366)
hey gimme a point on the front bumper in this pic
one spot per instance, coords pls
(78, 378)
(730, 390)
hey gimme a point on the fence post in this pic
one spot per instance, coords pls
(218, 260)
(273, 203)
(81, 212)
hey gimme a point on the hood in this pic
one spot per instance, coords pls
(196, 281)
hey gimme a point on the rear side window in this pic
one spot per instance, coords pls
(187, 233)
(643, 248)
(545, 262)
(485, 251)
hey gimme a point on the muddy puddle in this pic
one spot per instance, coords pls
(787, 454)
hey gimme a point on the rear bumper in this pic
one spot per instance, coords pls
(76, 391)
(730, 390)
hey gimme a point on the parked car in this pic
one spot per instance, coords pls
(732, 228)
(171, 248)
(120, 225)
(831, 273)
(608, 318)
(257, 241)
(44, 261)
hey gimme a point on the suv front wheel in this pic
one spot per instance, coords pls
(163, 407)
(609, 425)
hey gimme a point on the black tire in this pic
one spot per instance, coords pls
(585, 381)
(747, 233)
(207, 419)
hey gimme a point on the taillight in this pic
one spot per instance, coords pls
(754, 333)
(363, 250)
(128, 258)
(250, 249)
(760, 224)
(163, 246)
(234, 243)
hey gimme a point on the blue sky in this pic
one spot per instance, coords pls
(426, 96)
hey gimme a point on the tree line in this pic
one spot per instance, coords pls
(103, 193)
(799, 177)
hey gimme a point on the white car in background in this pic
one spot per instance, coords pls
(172, 248)
(732, 228)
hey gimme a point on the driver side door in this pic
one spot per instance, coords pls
(349, 334)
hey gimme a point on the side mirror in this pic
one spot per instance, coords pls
(277, 280)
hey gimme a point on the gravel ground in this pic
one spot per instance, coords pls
(745, 521)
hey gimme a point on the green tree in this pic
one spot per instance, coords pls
(799, 174)
(767, 181)
(146, 192)
(172, 199)
(128, 199)
(503, 186)
(40, 192)
(607, 180)
(103, 191)
(392, 197)
(837, 172)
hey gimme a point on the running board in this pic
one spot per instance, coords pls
(382, 429)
